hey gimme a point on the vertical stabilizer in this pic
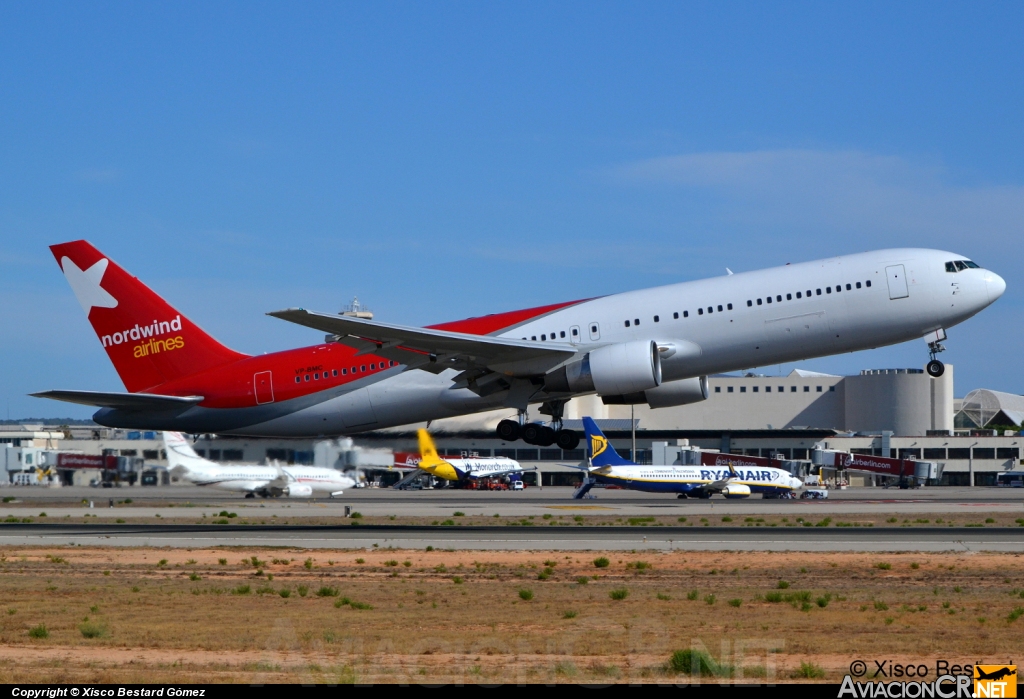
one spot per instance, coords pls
(599, 451)
(147, 340)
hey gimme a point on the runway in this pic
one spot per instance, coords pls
(574, 538)
(194, 502)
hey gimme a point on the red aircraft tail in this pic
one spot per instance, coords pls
(148, 341)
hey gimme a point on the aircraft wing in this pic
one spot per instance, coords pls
(123, 401)
(442, 348)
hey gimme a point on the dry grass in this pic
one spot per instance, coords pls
(158, 625)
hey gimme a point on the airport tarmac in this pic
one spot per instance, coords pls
(189, 502)
(931, 539)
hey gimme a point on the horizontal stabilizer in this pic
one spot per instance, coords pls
(123, 401)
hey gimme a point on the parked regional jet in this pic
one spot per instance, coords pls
(465, 468)
(653, 346)
(733, 480)
(252, 479)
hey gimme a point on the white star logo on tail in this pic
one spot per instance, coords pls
(86, 284)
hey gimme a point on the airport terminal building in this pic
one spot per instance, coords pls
(902, 413)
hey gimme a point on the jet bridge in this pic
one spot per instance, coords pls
(904, 469)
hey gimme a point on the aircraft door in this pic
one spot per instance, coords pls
(263, 387)
(574, 335)
(897, 278)
(595, 331)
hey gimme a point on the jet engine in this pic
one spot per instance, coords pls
(735, 490)
(628, 367)
(667, 395)
(297, 490)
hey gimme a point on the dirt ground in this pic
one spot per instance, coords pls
(260, 615)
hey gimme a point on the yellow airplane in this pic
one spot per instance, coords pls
(463, 468)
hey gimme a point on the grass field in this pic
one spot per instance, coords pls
(270, 615)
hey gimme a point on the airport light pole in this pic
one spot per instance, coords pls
(970, 465)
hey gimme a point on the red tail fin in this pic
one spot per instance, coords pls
(148, 341)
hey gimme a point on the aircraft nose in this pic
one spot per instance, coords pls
(996, 286)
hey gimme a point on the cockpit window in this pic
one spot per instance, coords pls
(961, 265)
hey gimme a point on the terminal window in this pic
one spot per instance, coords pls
(819, 389)
(718, 389)
(1008, 453)
(807, 389)
(792, 389)
(743, 389)
(755, 389)
(984, 453)
(960, 453)
(935, 453)
(729, 389)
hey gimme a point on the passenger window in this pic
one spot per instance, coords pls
(719, 308)
(848, 287)
(868, 283)
(839, 288)
(710, 309)
(686, 314)
(561, 334)
(675, 315)
(808, 293)
(392, 363)
(798, 294)
(789, 297)
(819, 292)
(950, 267)
(543, 337)
(749, 303)
(574, 332)
(700, 311)
(334, 372)
(828, 289)
(759, 302)
(316, 377)
(636, 321)
(729, 306)
(298, 379)
(534, 337)
(779, 298)
(768, 299)
(362, 367)
(627, 323)
(858, 285)
(353, 370)
(656, 319)
(307, 377)
(373, 367)
(344, 372)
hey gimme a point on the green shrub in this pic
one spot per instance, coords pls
(525, 595)
(360, 605)
(823, 601)
(663, 597)
(582, 580)
(302, 590)
(773, 597)
(619, 593)
(884, 566)
(691, 661)
(1017, 613)
(39, 631)
(881, 606)
(458, 580)
(326, 591)
(601, 562)
(90, 630)
(729, 519)
(285, 593)
(782, 585)
(463, 514)
(692, 595)
(241, 590)
(356, 515)
(710, 599)
(735, 602)
(809, 671)
(568, 614)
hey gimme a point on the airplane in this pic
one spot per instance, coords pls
(252, 479)
(655, 346)
(465, 468)
(604, 465)
(999, 674)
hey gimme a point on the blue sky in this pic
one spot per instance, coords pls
(447, 160)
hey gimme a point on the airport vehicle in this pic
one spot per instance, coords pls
(653, 346)
(253, 479)
(814, 494)
(604, 465)
(467, 467)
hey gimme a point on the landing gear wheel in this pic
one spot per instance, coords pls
(682, 496)
(531, 433)
(567, 439)
(935, 368)
(546, 438)
(509, 430)
(250, 495)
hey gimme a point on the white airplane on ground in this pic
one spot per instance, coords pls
(465, 468)
(252, 479)
(604, 465)
(655, 346)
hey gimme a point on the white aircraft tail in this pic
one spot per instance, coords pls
(180, 452)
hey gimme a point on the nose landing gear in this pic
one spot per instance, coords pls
(935, 368)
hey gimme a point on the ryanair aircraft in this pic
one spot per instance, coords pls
(733, 480)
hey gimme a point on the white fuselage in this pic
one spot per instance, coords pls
(783, 314)
(678, 479)
(254, 478)
(482, 468)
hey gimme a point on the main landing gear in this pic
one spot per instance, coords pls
(537, 434)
